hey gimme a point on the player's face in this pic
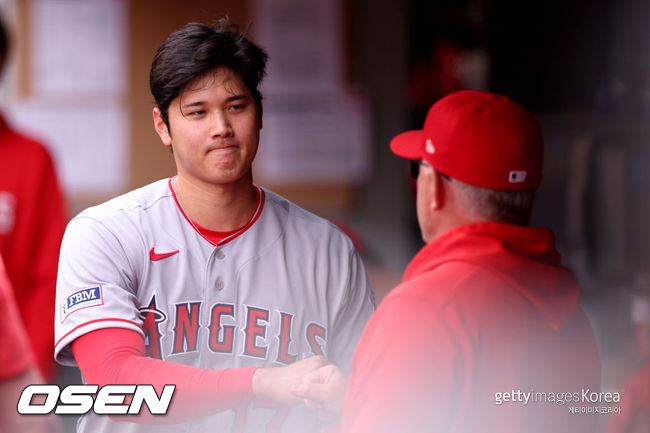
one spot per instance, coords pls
(213, 129)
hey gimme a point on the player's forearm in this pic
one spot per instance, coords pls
(116, 356)
(199, 392)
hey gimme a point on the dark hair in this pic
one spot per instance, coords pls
(4, 45)
(195, 50)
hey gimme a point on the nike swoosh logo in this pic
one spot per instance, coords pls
(155, 257)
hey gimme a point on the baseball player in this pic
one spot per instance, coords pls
(485, 333)
(206, 280)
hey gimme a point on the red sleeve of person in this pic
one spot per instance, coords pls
(16, 357)
(32, 221)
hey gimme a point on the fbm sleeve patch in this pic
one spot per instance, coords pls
(86, 297)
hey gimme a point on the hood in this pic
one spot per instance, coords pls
(524, 256)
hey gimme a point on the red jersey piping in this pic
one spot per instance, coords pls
(256, 214)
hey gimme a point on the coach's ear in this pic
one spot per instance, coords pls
(437, 189)
(161, 127)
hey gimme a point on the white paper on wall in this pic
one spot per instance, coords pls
(315, 138)
(89, 144)
(78, 46)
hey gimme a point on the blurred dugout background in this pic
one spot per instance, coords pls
(346, 76)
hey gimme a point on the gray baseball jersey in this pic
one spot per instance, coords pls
(286, 286)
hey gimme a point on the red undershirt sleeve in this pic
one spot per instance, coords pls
(116, 356)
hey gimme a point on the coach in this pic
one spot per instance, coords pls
(486, 329)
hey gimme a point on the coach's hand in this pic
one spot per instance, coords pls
(323, 392)
(276, 383)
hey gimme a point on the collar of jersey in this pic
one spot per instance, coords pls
(230, 235)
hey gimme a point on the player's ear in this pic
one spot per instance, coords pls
(161, 127)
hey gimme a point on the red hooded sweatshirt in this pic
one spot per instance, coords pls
(32, 221)
(485, 334)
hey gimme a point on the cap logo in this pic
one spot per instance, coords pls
(429, 147)
(517, 176)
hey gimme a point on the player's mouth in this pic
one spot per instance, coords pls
(223, 148)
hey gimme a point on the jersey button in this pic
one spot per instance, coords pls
(219, 284)
(220, 255)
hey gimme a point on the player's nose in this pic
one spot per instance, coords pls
(220, 126)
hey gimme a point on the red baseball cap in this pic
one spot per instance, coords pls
(479, 138)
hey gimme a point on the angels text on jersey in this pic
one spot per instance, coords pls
(225, 335)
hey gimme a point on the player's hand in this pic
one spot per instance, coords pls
(275, 383)
(323, 391)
